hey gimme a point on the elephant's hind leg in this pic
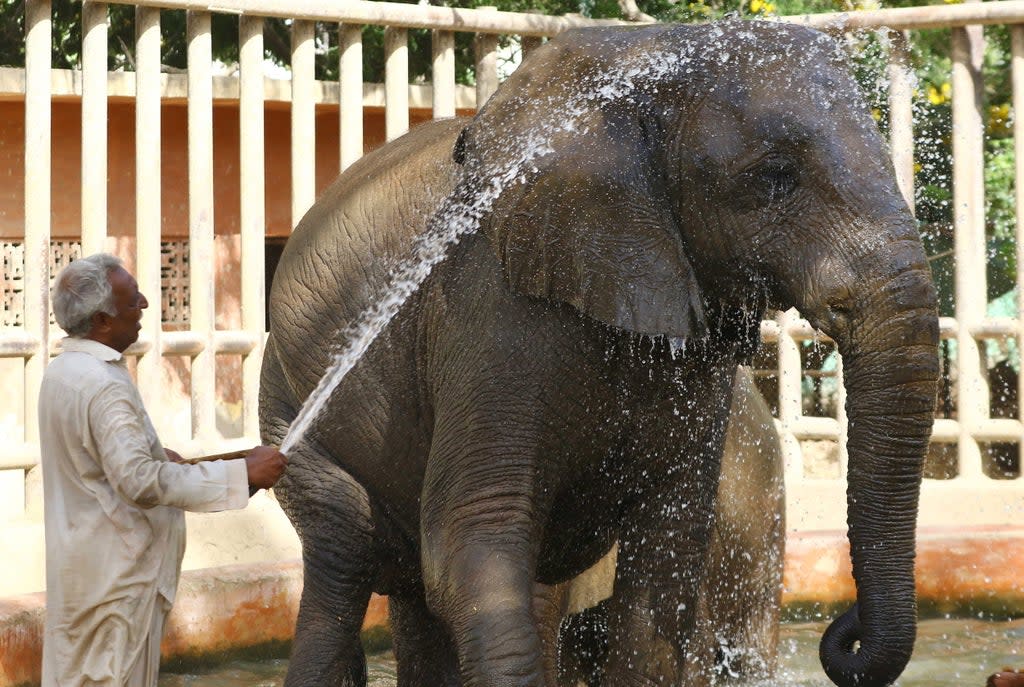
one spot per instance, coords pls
(340, 564)
(332, 515)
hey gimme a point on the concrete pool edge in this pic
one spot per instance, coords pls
(225, 609)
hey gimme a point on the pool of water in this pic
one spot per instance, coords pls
(949, 653)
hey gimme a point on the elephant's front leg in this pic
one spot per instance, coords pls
(663, 553)
(480, 537)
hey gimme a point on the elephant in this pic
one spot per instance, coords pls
(612, 225)
(739, 603)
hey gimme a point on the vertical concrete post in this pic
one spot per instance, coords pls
(251, 213)
(147, 198)
(38, 25)
(485, 47)
(844, 425)
(303, 119)
(1017, 76)
(94, 126)
(396, 82)
(901, 114)
(37, 203)
(201, 246)
(969, 225)
(443, 83)
(350, 98)
(790, 402)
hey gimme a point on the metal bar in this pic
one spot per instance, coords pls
(969, 224)
(443, 79)
(901, 114)
(350, 97)
(37, 201)
(94, 126)
(147, 196)
(252, 214)
(455, 19)
(303, 119)
(396, 82)
(201, 237)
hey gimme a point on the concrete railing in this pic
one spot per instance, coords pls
(970, 497)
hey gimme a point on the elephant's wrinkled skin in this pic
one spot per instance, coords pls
(634, 189)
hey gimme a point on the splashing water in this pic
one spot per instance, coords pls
(459, 218)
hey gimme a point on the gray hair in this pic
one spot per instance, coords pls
(81, 290)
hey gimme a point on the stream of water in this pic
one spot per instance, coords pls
(949, 653)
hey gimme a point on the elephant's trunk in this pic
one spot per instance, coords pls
(891, 370)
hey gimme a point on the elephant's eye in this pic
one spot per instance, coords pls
(774, 179)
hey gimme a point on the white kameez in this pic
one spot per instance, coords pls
(115, 530)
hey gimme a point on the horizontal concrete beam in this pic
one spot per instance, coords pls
(67, 84)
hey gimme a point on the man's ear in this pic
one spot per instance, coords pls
(100, 321)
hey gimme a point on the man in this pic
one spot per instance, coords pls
(113, 496)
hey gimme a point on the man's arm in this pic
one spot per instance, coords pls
(123, 449)
(264, 464)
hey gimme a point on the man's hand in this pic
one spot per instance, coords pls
(264, 465)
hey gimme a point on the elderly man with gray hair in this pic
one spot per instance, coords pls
(113, 496)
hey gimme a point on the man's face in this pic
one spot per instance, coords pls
(122, 330)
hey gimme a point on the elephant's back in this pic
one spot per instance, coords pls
(339, 260)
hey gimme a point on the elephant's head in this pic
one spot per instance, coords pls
(649, 175)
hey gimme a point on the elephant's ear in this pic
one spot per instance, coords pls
(592, 226)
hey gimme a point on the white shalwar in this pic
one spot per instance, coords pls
(115, 530)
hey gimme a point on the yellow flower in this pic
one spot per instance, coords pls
(761, 7)
(876, 114)
(937, 96)
(917, 167)
(999, 120)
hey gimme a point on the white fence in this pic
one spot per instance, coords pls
(970, 496)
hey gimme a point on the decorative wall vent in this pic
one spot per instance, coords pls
(12, 281)
(173, 279)
(174, 275)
